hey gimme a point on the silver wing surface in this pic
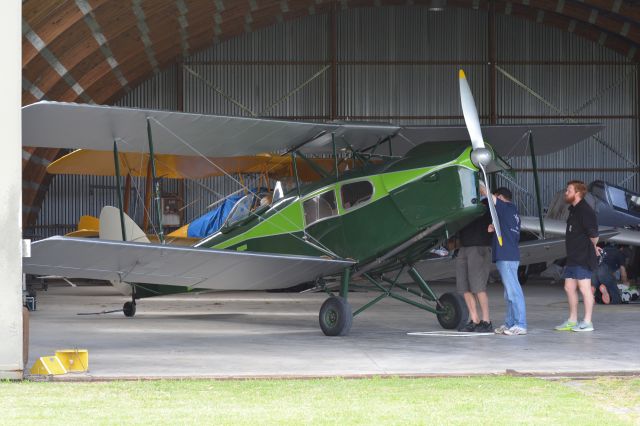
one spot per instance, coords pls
(509, 140)
(67, 125)
(171, 265)
(558, 227)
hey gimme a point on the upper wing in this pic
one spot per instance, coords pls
(66, 125)
(507, 139)
(170, 265)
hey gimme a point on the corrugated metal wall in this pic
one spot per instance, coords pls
(386, 69)
(605, 89)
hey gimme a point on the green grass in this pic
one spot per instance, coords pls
(476, 400)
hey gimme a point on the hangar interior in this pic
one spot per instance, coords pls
(382, 61)
(346, 60)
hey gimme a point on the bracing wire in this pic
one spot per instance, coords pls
(317, 245)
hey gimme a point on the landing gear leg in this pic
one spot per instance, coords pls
(336, 316)
(451, 311)
(129, 308)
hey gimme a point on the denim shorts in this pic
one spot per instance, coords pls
(577, 273)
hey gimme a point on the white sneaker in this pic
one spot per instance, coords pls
(515, 331)
(501, 329)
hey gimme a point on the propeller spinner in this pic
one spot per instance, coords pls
(480, 156)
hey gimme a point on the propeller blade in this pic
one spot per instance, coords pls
(492, 208)
(471, 118)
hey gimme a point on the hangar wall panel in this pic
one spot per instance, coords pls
(399, 64)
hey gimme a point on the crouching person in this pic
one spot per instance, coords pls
(603, 281)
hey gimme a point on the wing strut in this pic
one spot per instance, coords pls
(536, 183)
(116, 160)
(156, 184)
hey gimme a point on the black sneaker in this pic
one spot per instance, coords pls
(470, 326)
(484, 327)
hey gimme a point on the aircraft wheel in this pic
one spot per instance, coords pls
(455, 311)
(336, 317)
(129, 309)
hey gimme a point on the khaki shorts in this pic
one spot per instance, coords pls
(473, 265)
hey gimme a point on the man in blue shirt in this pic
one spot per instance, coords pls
(507, 260)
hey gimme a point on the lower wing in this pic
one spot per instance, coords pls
(171, 265)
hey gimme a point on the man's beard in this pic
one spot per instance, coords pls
(569, 199)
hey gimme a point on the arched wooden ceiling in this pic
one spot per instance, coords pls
(98, 50)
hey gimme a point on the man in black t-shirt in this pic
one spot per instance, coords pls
(473, 264)
(582, 256)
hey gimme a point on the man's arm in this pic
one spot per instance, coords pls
(483, 192)
(590, 223)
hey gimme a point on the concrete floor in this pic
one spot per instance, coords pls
(255, 334)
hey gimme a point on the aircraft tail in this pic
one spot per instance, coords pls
(111, 228)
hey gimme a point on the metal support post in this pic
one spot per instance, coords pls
(493, 75)
(536, 184)
(344, 285)
(180, 86)
(396, 296)
(335, 154)
(421, 282)
(156, 184)
(295, 170)
(116, 162)
(147, 199)
(127, 193)
(334, 61)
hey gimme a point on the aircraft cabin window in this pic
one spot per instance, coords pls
(320, 207)
(356, 193)
(618, 198)
(240, 210)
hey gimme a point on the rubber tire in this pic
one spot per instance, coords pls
(457, 312)
(335, 317)
(129, 309)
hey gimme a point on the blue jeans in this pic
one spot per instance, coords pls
(516, 312)
(604, 275)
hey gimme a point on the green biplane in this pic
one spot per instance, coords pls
(372, 222)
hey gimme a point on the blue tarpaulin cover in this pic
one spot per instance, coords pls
(210, 222)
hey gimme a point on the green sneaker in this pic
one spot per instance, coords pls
(566, 326)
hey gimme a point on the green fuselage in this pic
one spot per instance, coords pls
(369, 211)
